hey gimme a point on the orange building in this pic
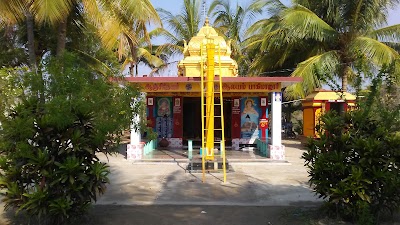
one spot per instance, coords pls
(321, 101)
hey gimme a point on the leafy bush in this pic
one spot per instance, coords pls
(355, 163)
(50, 136)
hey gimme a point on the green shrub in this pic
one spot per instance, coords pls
(355, 163)
(50, 137)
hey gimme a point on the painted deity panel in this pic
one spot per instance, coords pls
(249, 117)
(164, 126)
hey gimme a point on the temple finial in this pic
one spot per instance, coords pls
(206, 22)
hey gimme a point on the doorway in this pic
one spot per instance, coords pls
(192, 120)
(339, 107)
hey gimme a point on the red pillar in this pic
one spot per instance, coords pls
(150, 111)
(235, 117)
(177, 117)
(264, 117)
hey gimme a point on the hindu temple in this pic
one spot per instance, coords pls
(249, 107)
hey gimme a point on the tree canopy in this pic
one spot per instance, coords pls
(322, 40)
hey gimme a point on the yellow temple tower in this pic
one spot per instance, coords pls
(190, 65)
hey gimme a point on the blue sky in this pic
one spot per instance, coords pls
(174, 7)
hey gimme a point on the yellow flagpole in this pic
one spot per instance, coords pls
(222, 114)
(202, 113)
(210, 102)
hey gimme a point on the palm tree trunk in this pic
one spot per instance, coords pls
(61, 37)
(344, 83)
(131, 69)
(31, 40)
(30, 26)
(136, 69)
(345, 75)
(133, 49)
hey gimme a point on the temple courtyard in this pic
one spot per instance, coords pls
(160, 190)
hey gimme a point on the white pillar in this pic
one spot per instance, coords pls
(134, 150)
(135, 134)
(276, 149)
(276, 102)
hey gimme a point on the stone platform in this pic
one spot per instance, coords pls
(195, 165)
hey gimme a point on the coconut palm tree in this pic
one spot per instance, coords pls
(231, 22)
(325, 38)
(145, 53)
(181, 27)
(49, 11)
(128, 34)
(56, 13)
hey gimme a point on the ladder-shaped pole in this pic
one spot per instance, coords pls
(222, 115)
(208, 94)
(210, 101)
(203, 145)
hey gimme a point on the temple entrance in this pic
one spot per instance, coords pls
(339, 107)
(192, 120)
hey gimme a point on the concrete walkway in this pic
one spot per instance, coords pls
(252, 183)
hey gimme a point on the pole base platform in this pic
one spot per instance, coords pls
(210, 166)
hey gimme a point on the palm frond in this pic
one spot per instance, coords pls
(110, 31)
(274, 40)
(303, 23)
(122, 48)
(183, 26)
(326, 63)
(170, 38)
(140, 10)
(51, 11)
(157, 32)
(151, 59)
(365, 15)
(169, 49)
(386, 34)
(93, 12)
(12, 12)
(126, 63)
(394, 45)
(176, 24)
(95, 64)
(374, 50)
(274, 7)
(262, 26)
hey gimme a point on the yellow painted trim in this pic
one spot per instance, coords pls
(330, 95)
(193, 94)
(191, 87)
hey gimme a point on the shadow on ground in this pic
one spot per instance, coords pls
(155, 193)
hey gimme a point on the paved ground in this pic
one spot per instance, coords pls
(252, 183)
(162, 192)
(201, 215)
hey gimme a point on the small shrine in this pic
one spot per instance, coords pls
(320, 101)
